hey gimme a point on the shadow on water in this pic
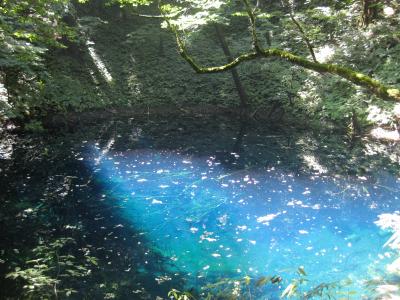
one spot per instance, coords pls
(50, 204)
(218, 200)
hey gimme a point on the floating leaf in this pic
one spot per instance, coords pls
(262, 281)
(276, 279)
(290, 290)
(301, 271)
(352, 292)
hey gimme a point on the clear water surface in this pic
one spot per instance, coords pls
(233, 204)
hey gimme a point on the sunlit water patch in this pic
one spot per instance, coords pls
(211, 223)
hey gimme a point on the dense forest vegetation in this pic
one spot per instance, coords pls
(249, 84)
(320, 61)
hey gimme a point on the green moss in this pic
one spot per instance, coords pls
(355, 77)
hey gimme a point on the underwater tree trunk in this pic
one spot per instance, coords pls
(244, 101)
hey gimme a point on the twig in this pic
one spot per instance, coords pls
(301, 30)
(56, 280)
(252, 18)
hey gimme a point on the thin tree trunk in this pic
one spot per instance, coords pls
(259, 4)
(268, 37)
(161, 45)
(370, 11)
(301, 30)
(376, 87)
(4, 96)
(244, 100)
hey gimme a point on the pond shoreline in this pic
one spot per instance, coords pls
(259, 117)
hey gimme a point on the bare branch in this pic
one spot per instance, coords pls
(158, 16)
(253, 28)
(301, 30)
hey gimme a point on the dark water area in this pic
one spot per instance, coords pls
(132, 208)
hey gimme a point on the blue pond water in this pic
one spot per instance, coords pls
(212, 222)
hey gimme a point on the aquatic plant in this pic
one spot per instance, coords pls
(50, 265)
(66, 202)
(178, 295)
(253, 288)
(387, 285)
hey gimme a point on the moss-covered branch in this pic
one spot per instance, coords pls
(201, 70)
(376, 87)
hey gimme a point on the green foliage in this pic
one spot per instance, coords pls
(44, 77)
(49, 265)
(248, 288)
(27, 30)
(133, 3)
(292, 289)
(178, 295)
(34, 126)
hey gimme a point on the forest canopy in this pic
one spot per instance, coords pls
(355, 40)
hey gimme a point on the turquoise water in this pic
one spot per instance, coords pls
(132, 208)
(213, 222)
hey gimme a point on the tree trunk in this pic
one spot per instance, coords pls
(376, 87)
(370, 11)
(355, 125)
(161, 45)
(268, 37)
(3, 97)
(244, 101)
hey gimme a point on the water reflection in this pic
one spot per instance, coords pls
(160, 201)
(214, 222)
